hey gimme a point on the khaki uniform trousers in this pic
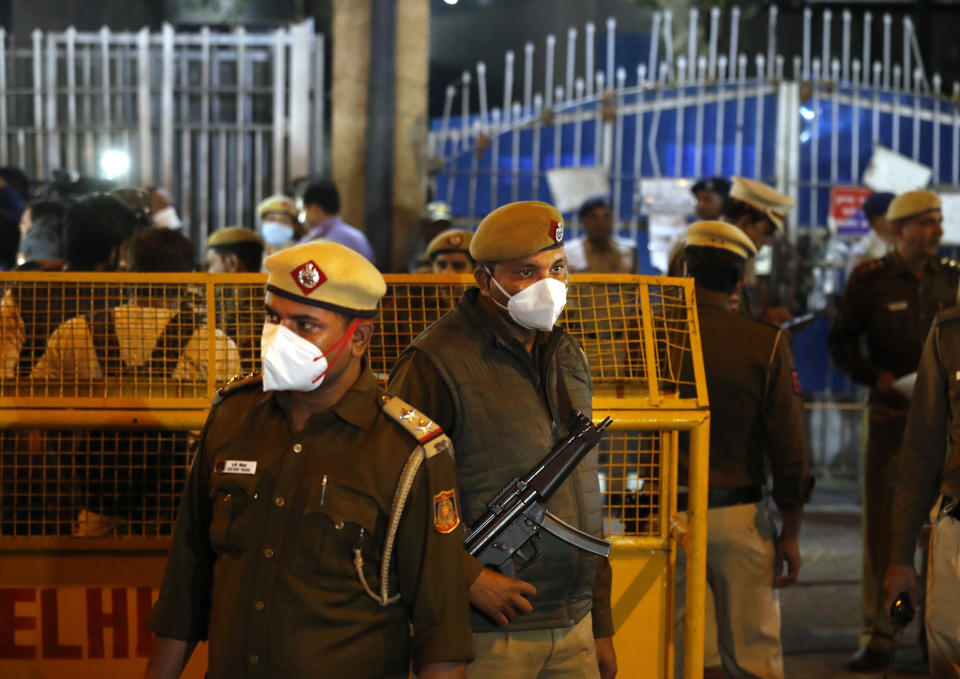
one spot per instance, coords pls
(943, 597)
(884, 435)
(741, 553)
(555, 653)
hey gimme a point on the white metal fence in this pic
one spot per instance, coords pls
(221, 119)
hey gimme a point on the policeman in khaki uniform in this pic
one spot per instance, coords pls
(449, 252)
(279, 222)
(319, 533)
(756, 423)
(504, 380)
(925, 477)
(892, 302)
(758, 210)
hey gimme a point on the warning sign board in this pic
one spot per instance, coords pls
(846, 217)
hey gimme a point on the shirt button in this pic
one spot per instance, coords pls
(297, 447)
(338, 525)
(279, 501)
(254, 659)
(258, 605)
(268, 553)
(227, 497)
(256, 495)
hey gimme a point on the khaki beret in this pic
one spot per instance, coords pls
(516, 230)
(328, 275)
(763, 197)
(451, 240)
(720, 236)
(277, 203)
(437, 211)
(911, 204)
(231, 235)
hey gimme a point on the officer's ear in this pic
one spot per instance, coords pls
(896, 228)
(231, 262)
(361, 336)
(482, 275)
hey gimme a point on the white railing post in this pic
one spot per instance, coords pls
(300, 35)
(279, 99)
(166, 106)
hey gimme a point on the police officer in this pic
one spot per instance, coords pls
(710, 192)
(278, 222)
(504, 379)
(298, 551)
(925, 475)
(449, 252)
(233, 249)
(756, 422)
(891, 302)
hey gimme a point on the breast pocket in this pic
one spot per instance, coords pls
(230, 522)
(336, 519)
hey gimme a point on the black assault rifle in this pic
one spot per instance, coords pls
(517, 513)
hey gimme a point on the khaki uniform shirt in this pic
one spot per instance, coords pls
(583, 257)
(885, 302)
(928, 462)
(262, 562)
(756, 407)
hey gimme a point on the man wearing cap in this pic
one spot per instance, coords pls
(434, 220)
(449, 252)
(237, 250)
(879, 241)
(599, 251)
(320, 214)
(319, 532)
(756, 423)
(710, 192)
(925, 480)
(891, 302)
(758, 210)
(278, 222)
(503, 379)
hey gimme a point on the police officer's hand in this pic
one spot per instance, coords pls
(501, 597)
(788, 555)
(606, 657)
(898, 578)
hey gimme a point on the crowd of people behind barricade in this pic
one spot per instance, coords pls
(500, 337)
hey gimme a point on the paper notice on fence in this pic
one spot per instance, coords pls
(571, 186)
(951, 217)
(889, 171)
(666, 196)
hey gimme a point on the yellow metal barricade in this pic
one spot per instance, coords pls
(105, 382)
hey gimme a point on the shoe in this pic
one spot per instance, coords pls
(866, 659)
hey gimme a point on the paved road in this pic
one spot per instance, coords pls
(821, 613)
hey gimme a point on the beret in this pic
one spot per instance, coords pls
(327, 275)
(876, 204)
(764, 198)
(516, 230)
(719, 185)
(912, 203)
(451, 240)
(720, 236)
(437, 211)
(231, 235)
(277, 203)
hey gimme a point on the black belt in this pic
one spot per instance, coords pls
(725, 497)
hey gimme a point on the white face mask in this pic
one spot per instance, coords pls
(167, 218)
(536, 307)
(276, 233)
(291, 363)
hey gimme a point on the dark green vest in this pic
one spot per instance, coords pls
(510, 410)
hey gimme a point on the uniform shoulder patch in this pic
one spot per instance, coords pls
(867, 267)
(950, 263)
(237, 384)
(427, 433)
(446, 516)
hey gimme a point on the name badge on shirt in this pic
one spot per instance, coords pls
(235, 466)
(897, 306)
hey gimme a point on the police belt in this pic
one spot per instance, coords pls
(724, 497)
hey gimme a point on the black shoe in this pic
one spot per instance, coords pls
(869, 660)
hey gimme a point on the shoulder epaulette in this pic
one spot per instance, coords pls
(950, 263)
(238, 383)
(427, 433)
(869, 266)
(949, 315)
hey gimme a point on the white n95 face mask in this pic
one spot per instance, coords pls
(276, 233)
(167, 218)
(536, 307)
(291, 363)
